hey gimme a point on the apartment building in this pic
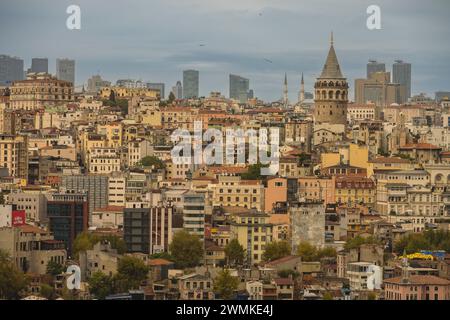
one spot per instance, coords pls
(253, 231)
(14, 155)
(32, 248)
(40, 90)
(235, 192)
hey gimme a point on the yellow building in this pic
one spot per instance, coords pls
(231, 191)
(113, 133)
(152, 117)
(355, 189)
(388, 164)
(40, 90)
(254, 232)
(14, 155)
(89, 141)
(123, 93)
(354, 155)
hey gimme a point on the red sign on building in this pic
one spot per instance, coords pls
(18, 218)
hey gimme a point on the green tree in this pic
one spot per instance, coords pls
(161, 255)
(428, 240)
(47, 291)
(371, 296)
(100, 285)
(186, 249)
(327, 252)
(327, 296)
(12, 280)
(83, 242)
(307, 251)
(112, 96)
(254, 172)
(86, 241)
(276, 250)
(54, 268)
(151, 161)
(171, 98)
(357, 241)
(288, 272)
(234, 252)
(225, 285)
(131, 271)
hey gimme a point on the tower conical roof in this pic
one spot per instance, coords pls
(331, 69)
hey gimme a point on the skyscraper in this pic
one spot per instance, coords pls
(374, 66)
(177, 90)
(331, 92)
(39, 65)
(190, 84)
(148, 229)
(65, 70)
(68, 216)
(239, 88)
(379, 90)
(96, 187)
(11, 69)
(401, 73)
(157, 86)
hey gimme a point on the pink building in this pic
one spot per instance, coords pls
(417, 288)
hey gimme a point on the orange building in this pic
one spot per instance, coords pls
(275, 192)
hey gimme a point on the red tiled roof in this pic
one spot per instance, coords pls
(420, 280)
(420, 146)
(110, 209)
(389, 160)
(26, 228)
(281, 260)
(284, 281)
(159, 262)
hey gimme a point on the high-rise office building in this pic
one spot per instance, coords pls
(65, 70)
(177, 90)
(95, 185)
(39, 65)
(11, 69)
(148, 229)
(68, 216)
(374, 66)
(190, 84)
(379, 90)
(158, 86)
(239, 88)
(194, 214)
(95, 83)
(401, 73)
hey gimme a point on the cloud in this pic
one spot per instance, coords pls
(156, 39)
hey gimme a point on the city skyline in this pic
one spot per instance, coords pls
(271, 40)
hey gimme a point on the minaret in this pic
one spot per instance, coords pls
(301, 96)
(285, 92)
(331, 92)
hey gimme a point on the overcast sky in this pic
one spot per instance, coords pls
(154, 40)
